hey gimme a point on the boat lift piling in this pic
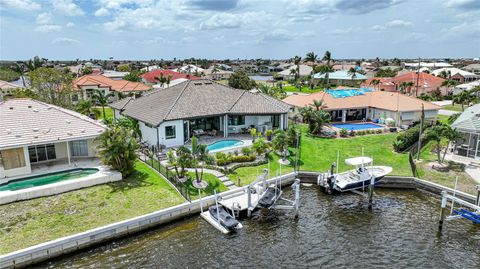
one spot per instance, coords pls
(473, 215)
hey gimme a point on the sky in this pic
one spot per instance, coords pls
(245, 29)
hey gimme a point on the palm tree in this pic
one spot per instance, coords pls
(375, 83)
(199, 154)
(306, 113)
(318, 119)
(101, 99)
(85, 107)
(280, 142)
(452, 135)
(296, 61)
(462, 98)
(327, 57)
(311, 57)
(318, 104)
(326, 69)
(436, 133)
(449, 83)
(352, 72)
(443, 74)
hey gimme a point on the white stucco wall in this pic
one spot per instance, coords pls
(116, 114)
(172, 142)
(149, 134)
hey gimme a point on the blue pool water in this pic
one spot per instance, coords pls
(356, 126)
(223, 144)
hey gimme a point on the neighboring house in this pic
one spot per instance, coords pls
(368, 105)
(286, 74)
(7, 88)
(431, 66)
(342, 77)
(346, 67)
(468, 123)
(473, 68)
(87, 85)
(457, 74)
(218, 74)
(115, 75)
(33, 132)
(465, 87)
(426, 83)
(385, 84)
(189, 69)
(170, 117)
(152, 77)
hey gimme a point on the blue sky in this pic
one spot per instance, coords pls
(219, 29)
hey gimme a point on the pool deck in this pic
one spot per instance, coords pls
(245, 138)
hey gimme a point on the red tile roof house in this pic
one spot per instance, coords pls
(386, 84)
(88, 84)
(151, 77)
(426, 83)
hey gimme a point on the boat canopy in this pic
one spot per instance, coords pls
(358, 161)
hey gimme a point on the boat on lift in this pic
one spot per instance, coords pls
(269, 197)
(219, 214)
(358, 178)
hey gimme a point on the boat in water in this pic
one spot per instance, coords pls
(220, 215)
(358, 178)
(269, 197)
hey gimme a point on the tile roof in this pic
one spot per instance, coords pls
(424, 81)
(42, 123)
(469, 120)
(152, 76)
(392, 101)
(199, 98)
(8, 85)
(453, 71)
(105, 82)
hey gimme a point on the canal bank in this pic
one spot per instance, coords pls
(107, 233)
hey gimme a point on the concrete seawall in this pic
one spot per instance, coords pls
(68, 244)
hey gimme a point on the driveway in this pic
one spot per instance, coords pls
(447, 112)
(442, 103)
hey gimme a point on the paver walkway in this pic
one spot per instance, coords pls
(223, 178)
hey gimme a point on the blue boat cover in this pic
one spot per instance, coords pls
(348, 92)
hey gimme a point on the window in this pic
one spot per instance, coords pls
(170, 132)
(40, 153)
(236, 120)
(12, 158)
(74, 97)
(79, 148)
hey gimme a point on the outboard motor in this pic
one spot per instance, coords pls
(330, 182)
(332, 168)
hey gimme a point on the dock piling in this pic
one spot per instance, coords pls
(370, 192)
(477, 201)
(442, 211)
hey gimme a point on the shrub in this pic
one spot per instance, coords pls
(361, 132)
(235, 152)
(343, 133)
(351, 133)
(243, 158)
(407, 138)
(247, 150)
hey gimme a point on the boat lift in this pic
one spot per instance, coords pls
(215, 222)
(469, 211)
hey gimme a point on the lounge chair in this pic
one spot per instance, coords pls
(212, 133)
(199, 132)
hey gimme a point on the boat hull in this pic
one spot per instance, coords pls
(357, 185)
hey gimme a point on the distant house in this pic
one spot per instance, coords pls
(217, 73)
(33, 132)
(427, 83)
(431, 66)
(7, 88)
(368, 105)
(189, 69)
(152, 77)
(287, 74)
(465, 87)
(342, 77)
(456, 74)
(385, 84)
(88, 84)
(115, 75)
(468, 123)
(170, 117)
(473, 68)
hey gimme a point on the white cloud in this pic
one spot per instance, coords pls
(231, 20)
(20, 4)
(469, 29)
(378, 28)
(140, 19)
(102, 12)
(67, 7)
(48, 28)
(44, 18)
(463, 4)
(70, 24)
(117, 4)
(65, 41)
(398, 23)
(343, 31)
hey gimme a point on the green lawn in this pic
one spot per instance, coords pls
(455, 107)
(442, 118)
(249, 174)
(26, 223)
(214, 184)
(108, 112)
(444, 177)
(305, 89)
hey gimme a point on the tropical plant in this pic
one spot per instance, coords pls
(86, 107)
(184, 159)
(101, 99)
(280, 142)
(318, 104)
(253, 133)
(327, 57)
(449, 83)
(451, 134)
(317, 120)
(453, 118)
(292, 133)
(325, 69)
(130, 124)
(173, 161)
(387, 72)
(462, 98)
(260, 146)
(297, 60)
(199, 154)
(436, 133)
(134, 76)
(352, 72)
(306, 113)
(52, 86)
(240, 80)
(375, 83)
(118, 149)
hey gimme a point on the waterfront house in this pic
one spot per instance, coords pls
(465, 87)
(153, 77)
(342, 77)
(87, 85)
(468, 123)
(34, 133)
(456, 74)
(427, 83)
(473, 68)
(287, 74)
(367, 105)
(170, 117)
(7, 88)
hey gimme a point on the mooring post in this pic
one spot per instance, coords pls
(370, 192)
(297, 196)
(477, 201)
(442, 211)
(249, 201)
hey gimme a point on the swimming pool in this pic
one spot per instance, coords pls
(356, 126)
(40, 180)
(224, 144)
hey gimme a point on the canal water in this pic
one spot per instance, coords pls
(331, 232)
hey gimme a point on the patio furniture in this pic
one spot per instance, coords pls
(199, 132)
(212, 133)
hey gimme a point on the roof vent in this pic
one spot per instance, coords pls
(83, 131)
(208, 83)
(68, 121)
(35, 110)
(197, 83)
(35, 136)
(49, 107)
(36, 129)
(69, 133)
(9, 131)
(18, 135)
(11, 108)
(29, 106)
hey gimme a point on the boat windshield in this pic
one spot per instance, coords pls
(357, 161)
